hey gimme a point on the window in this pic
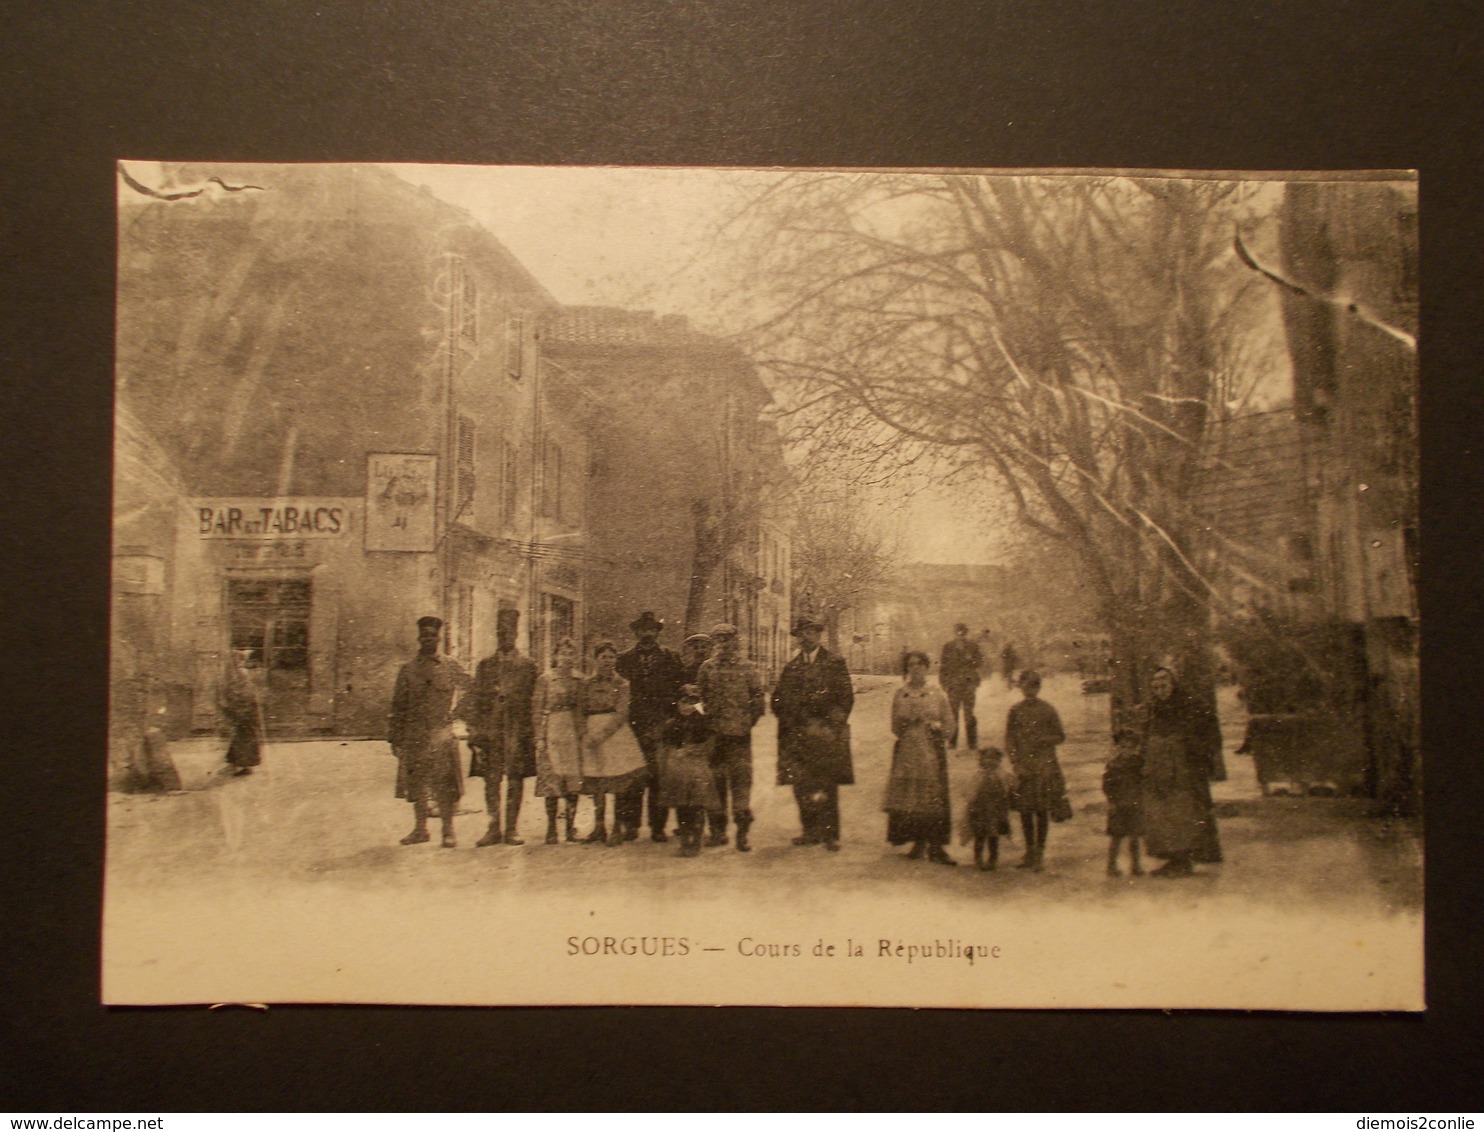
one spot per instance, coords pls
(464, 467)
(551, 481)
(463, 622)
(466, 304)
(515, 345)
(509, 485)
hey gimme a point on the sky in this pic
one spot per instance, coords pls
(640, 238)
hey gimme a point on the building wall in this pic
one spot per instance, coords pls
(273, 340)
(677, 441)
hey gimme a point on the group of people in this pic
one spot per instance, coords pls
(1157, 781)
(661, 732)
(635, 730)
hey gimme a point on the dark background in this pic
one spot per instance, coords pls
(1271, 84)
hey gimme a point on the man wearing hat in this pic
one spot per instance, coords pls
(960, 669)
(428, 773)
(732, 691)
(498, 712)
(812, 701)
(655, 677)
(694, 651)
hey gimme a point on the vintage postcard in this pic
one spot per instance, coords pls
(968, 588)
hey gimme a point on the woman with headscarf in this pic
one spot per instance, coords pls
(559, 715)
(1181, 744)
(916, 804)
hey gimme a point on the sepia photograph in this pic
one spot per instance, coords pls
(598, 585)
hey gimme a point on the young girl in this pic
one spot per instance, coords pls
(987, 817)
(1123, 782)
(560, 723)
(1033, 731)
(687, 784)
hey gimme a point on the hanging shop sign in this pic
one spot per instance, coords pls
(401, 492)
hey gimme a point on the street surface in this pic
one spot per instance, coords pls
(311, 837)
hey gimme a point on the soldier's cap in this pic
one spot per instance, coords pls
(690, 694)
(507, 617)
(723, 629)
(698, 639)
(646, 620)
(806, 623)
(429, 622)
(960, 627)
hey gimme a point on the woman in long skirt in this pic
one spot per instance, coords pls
(917, 804)
(1181, 747)
(559, 716)
(612, 762)
(242, 710)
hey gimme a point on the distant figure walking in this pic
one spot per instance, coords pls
(501, 739)
(241, 706)
(960, 669)
(813, 700)
(1009, 662)
(916, 804)
(428, 773)
(1182, 750)
(1033, 731)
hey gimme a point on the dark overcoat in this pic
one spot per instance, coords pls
(813, 703)
(655, 677)
(427, 753)
(498, 712)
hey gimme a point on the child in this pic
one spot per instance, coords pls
(1123, 781)
(1033, 731)
(988, 814)
(687, 784)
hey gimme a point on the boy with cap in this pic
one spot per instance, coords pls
(732, 691)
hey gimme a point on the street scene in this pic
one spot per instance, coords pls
(967, 590)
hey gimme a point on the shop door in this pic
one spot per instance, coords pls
(269, 617)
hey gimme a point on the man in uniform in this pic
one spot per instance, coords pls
(428, 773)
(732, 694)
(960, 669)
(655, 677)
(812, 701)
(498, 712)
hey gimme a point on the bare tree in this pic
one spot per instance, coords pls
(839, 556)
(1067, 337)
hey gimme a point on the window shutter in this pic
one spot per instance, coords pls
(464, 466)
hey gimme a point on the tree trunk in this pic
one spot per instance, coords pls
(705, 558)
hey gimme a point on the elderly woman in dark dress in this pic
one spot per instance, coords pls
(916, 803)
(1181, 746)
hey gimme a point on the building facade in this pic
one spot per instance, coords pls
(686, 508)
(343, 373)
